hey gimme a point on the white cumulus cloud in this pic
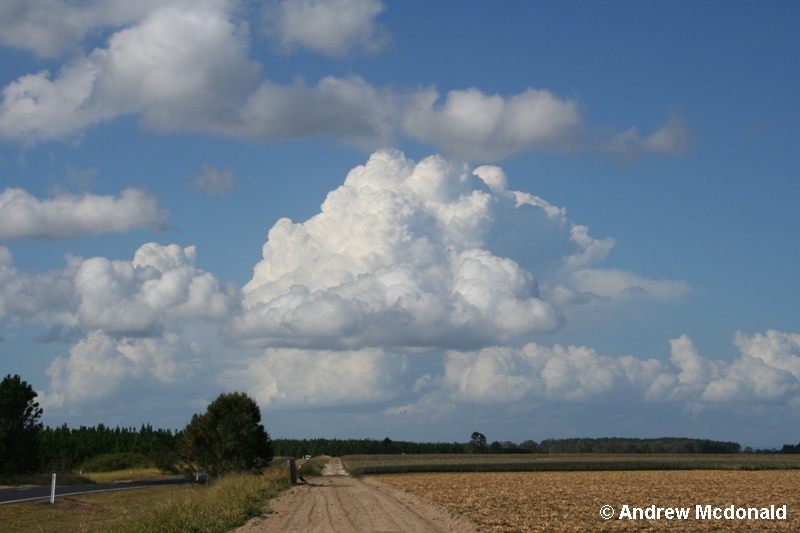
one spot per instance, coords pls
(766, 372)
(66, 215)
(185, 66)
(422, 254)
(135, 298)
(182, 66)
(396, 256)
(51, 28)
(98, 364)
(472, 125)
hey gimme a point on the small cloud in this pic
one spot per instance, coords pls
(214, 182)
(330, 27)
(472, 125)
(22, 215)
(671, 139)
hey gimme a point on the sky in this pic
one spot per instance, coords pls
(405, 219)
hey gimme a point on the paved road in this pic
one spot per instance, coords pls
(29, 494)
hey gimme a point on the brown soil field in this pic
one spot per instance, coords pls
(571, 501)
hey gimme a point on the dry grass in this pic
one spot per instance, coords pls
(86, 513)
(571, 501)
(135, 474)
(217, 507)
(223, 505)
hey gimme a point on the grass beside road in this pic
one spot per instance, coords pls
(84, 478)
(219, 506)
(135, 474)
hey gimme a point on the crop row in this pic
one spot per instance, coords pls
(388, 464)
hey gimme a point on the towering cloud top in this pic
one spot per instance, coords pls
(427, 254)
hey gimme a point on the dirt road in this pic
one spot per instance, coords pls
(339, 503)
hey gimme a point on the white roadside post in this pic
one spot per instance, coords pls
(53, 489)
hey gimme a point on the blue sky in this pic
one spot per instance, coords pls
(405, 219)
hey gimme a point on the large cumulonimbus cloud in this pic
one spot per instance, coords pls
(406, 263)
(425, 255)
(186, 67)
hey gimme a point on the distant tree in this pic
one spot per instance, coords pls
(228, 437)
(19, 426)
(387, 446)
(508, 446)
(476, 444)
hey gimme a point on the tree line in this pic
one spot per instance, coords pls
(478, 444)
(339, 447)
(228, 437)
(633, 445)
(65, 449)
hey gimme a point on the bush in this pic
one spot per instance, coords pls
(109, 462)
(311, 468)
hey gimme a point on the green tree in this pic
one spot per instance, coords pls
(476, 444)
(19, 426)
(228, 437)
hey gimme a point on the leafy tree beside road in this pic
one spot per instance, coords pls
(228, 437)
(19, 426)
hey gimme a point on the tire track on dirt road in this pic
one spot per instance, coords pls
(338, 503)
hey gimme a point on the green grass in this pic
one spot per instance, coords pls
(385, 464)
(216, 507)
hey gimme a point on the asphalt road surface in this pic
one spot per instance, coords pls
(29, 494)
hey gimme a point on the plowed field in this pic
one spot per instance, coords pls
(571, 501)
